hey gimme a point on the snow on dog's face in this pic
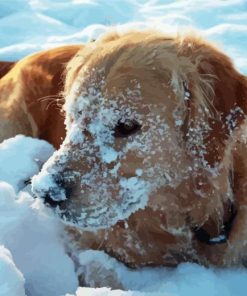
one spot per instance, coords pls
(124, 109)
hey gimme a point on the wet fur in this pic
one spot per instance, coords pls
(216, 87)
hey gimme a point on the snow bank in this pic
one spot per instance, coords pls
(32, 235)
(21, 157)
(11, 279)
(186, 280)
(28, 229)
(45, 23)
(33, 261)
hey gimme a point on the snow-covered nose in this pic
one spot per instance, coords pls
(51, 189)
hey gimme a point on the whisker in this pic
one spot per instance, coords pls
(50, 99)
(48, 105)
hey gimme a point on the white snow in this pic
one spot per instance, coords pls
(33, 154)
(34, 256)
(31, 25)
(33, 260)
(186, 280)
(28, 229)
(33, 236)
(12, 280)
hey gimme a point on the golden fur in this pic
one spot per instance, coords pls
(31, 95)
(210, 196)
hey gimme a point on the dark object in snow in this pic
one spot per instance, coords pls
(203, 235)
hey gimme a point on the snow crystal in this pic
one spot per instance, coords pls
(139, 172)
(179, 122)
(233, 117)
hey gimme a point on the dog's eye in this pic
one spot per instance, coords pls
(126, 128)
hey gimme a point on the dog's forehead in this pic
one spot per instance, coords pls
(112, 110)
(132, 89)
(146, 84)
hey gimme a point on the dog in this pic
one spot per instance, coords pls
(151, 136)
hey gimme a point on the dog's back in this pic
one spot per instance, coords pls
(30, 92)
(5, 67)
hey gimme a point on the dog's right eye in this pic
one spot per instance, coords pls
(127, 128)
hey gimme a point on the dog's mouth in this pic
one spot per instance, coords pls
(97, 209)
(204, 236)
(98, 215)
(50, 202)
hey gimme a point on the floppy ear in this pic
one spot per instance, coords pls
(225, 96)
(227, 123)
(229, 85)
(5, 67)
(238, 234)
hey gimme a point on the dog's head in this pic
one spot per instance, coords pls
(137, 109)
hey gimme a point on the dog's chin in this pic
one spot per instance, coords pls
(85, 218)
(76, 212)
(95, 210)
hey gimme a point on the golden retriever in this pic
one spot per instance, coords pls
(152, 165)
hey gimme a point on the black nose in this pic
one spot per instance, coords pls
(53, 203)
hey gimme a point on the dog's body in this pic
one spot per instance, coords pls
(192, 178)
(30, 95)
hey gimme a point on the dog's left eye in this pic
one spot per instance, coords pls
(126, 128)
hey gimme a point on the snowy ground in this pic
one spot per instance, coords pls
(33, 260)
(27, 26)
